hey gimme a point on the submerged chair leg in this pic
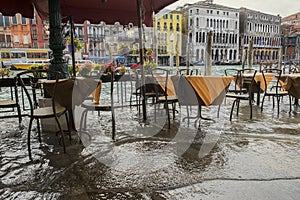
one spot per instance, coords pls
(250, 105)
(232, 110)
(39, 130)
(262, 103)
(68, 124)
(61, 132)
(28, 139)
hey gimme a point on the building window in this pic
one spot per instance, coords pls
(165, 26)
(177, 27)
(16, 39)
(1, 20)
(171, 26)
(166, 16)
(218, 12)
(25, 39)
(23, 20)
(6, 21)
(177, 17)
(34, 33)
(197, 11)
(33, 21)
(171, 16)
(14, 19)
(35, 45)
(158, 25)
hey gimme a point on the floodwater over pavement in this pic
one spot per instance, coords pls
(242, 159)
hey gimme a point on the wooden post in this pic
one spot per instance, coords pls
(250, 54)
(208, 62)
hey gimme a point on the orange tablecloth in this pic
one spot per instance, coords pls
(73, 91)
(210, 88)
(170, 85)
(260, 79)
(292, 85)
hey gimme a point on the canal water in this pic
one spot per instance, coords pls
(206, 159)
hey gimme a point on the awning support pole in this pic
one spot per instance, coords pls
(56, 40)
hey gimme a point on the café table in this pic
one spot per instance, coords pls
(292, 85)
(210, 90)
(259, 85)
(71, 92)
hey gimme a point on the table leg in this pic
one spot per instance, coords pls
(258, 93)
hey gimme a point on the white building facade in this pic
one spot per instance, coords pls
(265, 32)
(203, 17)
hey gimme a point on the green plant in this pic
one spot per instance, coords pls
(70, 68)
(77, 44)
(38, 66)
(149, 66)
(98, 67)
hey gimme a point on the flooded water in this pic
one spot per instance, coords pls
(206, 159)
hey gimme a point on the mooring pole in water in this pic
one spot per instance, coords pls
(208, 63)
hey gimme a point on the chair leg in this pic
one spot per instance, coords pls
(39, 130)
(237, 107)
(262, 103)
(232, 109)
(250, 105)
(218, 114)
(19, 115)
(68, 124)
(61, 132)
(28, 139)
(173, 108)
(278, 102)
(168, 113)
(290, 100)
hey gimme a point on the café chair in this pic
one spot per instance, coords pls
(135, 83)
(234, 87)
(37, 113)
(99, 106)
(186, 97)
(12, 102)
(274, 89)
(244, 83)
(164, 93)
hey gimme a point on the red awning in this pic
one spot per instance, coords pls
(123, 11)
(11, 7)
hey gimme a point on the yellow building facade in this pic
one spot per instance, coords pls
(169, 38)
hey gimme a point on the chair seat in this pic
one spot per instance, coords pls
(237, 96)
(98, 107)
(273, 92)
(9, 103)
(243, 90)
(169, 99)
(48, 111)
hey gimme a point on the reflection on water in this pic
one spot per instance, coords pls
(243, 158)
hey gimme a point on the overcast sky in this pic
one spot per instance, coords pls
(282, 7)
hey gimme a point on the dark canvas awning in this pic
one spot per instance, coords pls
(123, 11)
